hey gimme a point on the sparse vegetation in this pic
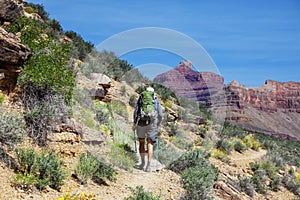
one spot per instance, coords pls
(89, 167)
(139, 193)
(39, 169)
(121, 155)
(197, 173)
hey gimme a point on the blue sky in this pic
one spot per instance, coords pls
(249, 41)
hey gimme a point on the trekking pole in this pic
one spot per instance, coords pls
(135, 146)
(156, 154)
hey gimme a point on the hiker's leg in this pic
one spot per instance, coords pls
(142, 150)
(150, 149)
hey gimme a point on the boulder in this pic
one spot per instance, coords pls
(10, 10)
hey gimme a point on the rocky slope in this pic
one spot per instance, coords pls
(191, 84)
(273, 108)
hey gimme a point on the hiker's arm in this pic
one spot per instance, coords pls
(159, 112)
(136, 111)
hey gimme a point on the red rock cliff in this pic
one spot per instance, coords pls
(191, 84)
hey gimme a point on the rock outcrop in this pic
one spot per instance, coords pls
(13, 54)
(10, 10)
(273, 108)
(191, 84)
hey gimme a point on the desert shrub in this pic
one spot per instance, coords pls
(229, 131)
(288, 150)
(26, 159)
(132, 100)
(258, 180)
(197, 173)
(224, 145)
(164, 92)
(2, 97)
(86, 167)
(12, 127)
(139, 193)
(134, 76)
(24, 181)
(199, 180)
(251, 142)
(246, 185)
(122, 156)
(119, 108)
(184, 116)
(29, 9)
(290, 182)
(190, 159)
(80, 47)
(221, 155)
(89, 167)
(298, 176)
(44, 169)
(181, 143)
(43, 111)
(48, 68)
(239, 146)
(167, 153)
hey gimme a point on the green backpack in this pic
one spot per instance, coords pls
(147, 106)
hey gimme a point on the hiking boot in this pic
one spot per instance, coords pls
(140, 167)
(148, 168)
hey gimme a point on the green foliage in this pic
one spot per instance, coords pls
(139, 193)
(24, 181)
(190, 159)
(132, 100)
(239, 146)
(246, 185)
(288, 150)
(183, 115)
(48, 66)
(181, 143)
(44, 169)
(119, 108)
(221, 155)
(39, 9)
(290, 182)
(167, 153)
(123, 156)
(224, 145)
(2, 97)
(29, 9)
(89, 167)
(164, 92)
(80, 47)
(43, 111)
(197, 173)
(12, 127)
(134, 76)
(199, 180)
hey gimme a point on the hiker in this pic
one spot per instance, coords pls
(146, 124)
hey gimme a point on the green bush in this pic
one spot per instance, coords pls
(122, 156)
(239, 146)
(246, 185)
(89, 167)
(47, 69)
(119, 108)
(139, 193)
(12, 127)
(132, 100)
(2, 97)
(221, 155)
(80, 47)
(43, 111)
(181, 143)
(199, 180)
(290, 182)
(167, 153)
(190, 159)
(44, 169)
(224, 145)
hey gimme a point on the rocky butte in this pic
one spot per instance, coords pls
(273, 108)
(191, 84)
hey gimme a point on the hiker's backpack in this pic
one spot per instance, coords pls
(146, 107)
